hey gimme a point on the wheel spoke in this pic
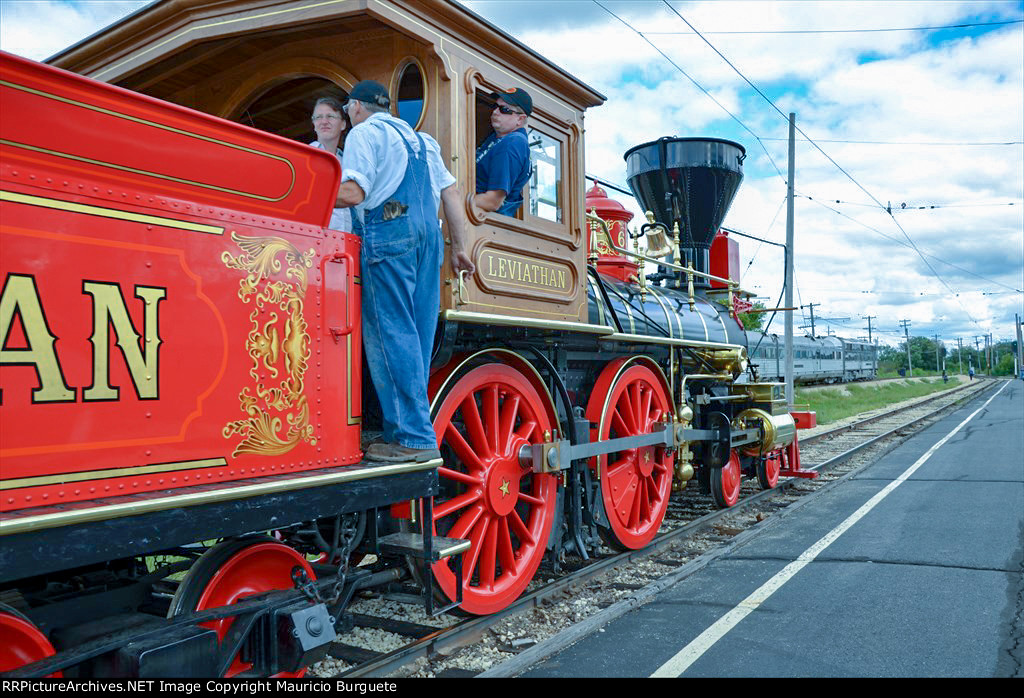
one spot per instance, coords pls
(453, 505)
(645, 501)
(506, 553)
(625, 411)
(459, 476)
(474, 425)
(527, 428)
(536, 501)
(645, 411)
(509, 412)
(619, 427)
(520, 529)
(488, 555)
(466, 522)
(462, 449)
(489, 400)
(476, 539)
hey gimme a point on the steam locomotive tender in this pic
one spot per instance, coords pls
(182, 397)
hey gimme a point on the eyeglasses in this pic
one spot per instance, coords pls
(329, 117)
(506, 110)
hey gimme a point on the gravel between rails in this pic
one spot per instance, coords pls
(556, 622)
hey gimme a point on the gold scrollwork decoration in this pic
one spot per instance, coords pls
(278, 345)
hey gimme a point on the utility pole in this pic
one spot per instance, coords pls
(789, 258)
(1020, 348)
(937, 367)
(905, 324)
(977, 350)
(959, 352)
(869, 318)
(874, 357)
(811, 306)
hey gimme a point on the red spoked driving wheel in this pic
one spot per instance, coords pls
(725, 482)
(488, 496)
(231, 571)
(768, 470)
(635, 483)
(21, 642)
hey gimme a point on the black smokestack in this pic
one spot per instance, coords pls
(689, 181)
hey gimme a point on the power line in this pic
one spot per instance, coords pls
(827, 156)
(697, 84)
(853, 31)
(900, 242)
(920, 207)
(939, 143)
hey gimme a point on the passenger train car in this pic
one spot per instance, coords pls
(182, 398)
(815, 359)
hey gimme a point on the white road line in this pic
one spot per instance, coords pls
(701, 644)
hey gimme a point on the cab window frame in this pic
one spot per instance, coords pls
(537, 122)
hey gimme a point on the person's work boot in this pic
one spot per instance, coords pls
(396, 453)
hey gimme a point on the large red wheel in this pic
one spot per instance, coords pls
(768, 470)
(21, 642)
(487, 495)
(231, 571)
(725, 482)
(636, 483)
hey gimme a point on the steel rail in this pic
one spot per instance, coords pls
(461, 634)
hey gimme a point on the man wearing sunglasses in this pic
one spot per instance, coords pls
(503, 159)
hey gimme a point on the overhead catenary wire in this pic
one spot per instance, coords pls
(827, 156)
(696, 84)
(967, 25)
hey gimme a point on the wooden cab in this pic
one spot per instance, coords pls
(265, 63)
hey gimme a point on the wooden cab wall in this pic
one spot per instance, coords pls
(264, 63)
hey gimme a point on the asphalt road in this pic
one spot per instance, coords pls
(912, 568)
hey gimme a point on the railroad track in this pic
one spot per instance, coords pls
(691, 516)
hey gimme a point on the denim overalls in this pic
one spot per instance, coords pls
(401, 269)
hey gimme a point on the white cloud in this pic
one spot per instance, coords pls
(868, 86)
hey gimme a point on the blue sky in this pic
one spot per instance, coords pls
(900, 111)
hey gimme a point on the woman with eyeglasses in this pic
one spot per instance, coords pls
(331, 124)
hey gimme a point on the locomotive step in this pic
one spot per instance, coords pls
(412, 544)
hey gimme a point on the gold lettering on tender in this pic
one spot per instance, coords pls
(561, 278)
(21, 298)
(526, 273)
(490, 265)
(110, 310)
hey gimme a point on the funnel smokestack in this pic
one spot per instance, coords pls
(690, 181)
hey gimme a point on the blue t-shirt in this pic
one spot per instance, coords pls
(504, 163)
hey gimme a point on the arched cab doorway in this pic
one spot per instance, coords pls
(285, 107)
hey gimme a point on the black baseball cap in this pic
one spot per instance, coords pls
(517, 97)
(371, 92)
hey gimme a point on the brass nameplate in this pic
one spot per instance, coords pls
(525, 272)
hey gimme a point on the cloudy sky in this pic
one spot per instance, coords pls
(901, 107)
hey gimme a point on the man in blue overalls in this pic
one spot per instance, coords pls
(396, 180)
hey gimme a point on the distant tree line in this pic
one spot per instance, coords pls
(923, 354)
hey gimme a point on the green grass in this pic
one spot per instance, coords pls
(833, 404)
